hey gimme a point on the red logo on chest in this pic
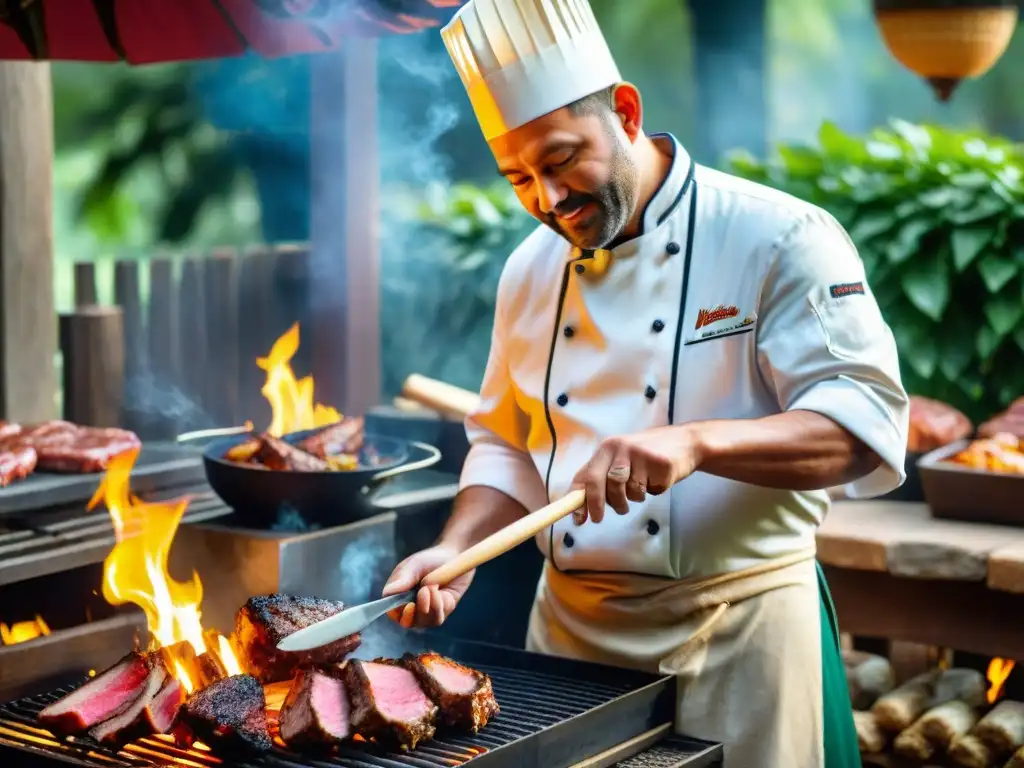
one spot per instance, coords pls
(706, 317)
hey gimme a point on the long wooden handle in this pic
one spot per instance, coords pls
(450, 400)
(507, 538)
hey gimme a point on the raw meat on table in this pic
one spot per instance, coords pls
(17, 463)
(264, 621)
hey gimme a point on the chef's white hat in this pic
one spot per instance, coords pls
(520, 59)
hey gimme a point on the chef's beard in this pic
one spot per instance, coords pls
(614, 203)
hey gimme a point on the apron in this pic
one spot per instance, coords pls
(755, 652)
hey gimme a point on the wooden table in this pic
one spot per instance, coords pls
(897, 573)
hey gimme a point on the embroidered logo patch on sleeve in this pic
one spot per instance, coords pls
(845, 289)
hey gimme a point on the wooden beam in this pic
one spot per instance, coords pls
(28, 322)
(344, 227)
(964, 616)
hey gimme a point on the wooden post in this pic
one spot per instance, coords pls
(162, 329)
(28, 322)
(92, 343)
(222, 333)
(85, 284)
(345, 214)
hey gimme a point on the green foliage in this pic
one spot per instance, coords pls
(443, 257)
(938, 217)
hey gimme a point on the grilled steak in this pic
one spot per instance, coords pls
(9, 429)
(17, 463)
(231, 714)
(464, 695)
(316, 710)
(264, 621)
(105, 696)
(130, 723)
(388, 704)
(83, 449)
(281, 455)
(346, 436)
(161, 713)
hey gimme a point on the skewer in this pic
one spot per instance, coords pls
(202, 434)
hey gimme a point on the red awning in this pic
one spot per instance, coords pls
(148, 31)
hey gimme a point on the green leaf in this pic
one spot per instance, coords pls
(986, 342)
(917, 344)
(941, 197)
(801, 161)
(871, 224)
(926, 283)
(997, 269)
(1004, 313)
(967, 244)
(907, 242)
(957, 343)
(984, 207)
(1018, 336)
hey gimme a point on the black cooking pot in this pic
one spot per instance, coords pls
(323, 498)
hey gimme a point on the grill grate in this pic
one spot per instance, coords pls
(547, 719)
(42, 544)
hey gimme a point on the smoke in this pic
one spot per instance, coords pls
(361, 568)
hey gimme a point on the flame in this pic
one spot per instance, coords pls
(291, 400)
(22, 631)
(136, 572)
(998, 672)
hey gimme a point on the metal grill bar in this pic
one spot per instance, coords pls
(33, 547)
(547, 720)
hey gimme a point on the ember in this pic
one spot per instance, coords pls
(291, 399)
(998, 672)
(135, 571)
(23, 631)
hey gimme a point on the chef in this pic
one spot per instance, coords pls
(702, 355)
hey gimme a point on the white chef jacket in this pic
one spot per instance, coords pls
(736, 301)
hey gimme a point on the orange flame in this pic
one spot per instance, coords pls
(23, 631)
(291, 400)
(998, 672)
(136, 572)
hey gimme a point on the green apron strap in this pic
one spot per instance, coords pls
(840, 736)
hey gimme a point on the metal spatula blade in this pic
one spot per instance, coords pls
(357, 618)
(347, 622)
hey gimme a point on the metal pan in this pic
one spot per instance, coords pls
(322, 498)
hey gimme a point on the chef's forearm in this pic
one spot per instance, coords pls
(796, 450)
(478, 512)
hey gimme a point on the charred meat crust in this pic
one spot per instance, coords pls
(466, 709)
(369, 719)
(265, 620)
(231, 714)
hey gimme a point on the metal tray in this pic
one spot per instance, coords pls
(159, 466)
(958, 493)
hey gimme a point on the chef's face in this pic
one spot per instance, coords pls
(573, 169)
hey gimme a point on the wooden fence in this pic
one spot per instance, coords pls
(178, 349)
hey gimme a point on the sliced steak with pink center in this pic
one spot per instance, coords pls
(316, 710)
(161, 713)
(130, 723)
(388, 704)
(106, 695)
(465, 696)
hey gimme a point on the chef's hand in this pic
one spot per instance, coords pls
(628, 467)
(433, 604)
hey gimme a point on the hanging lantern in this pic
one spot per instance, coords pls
(946, 41)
